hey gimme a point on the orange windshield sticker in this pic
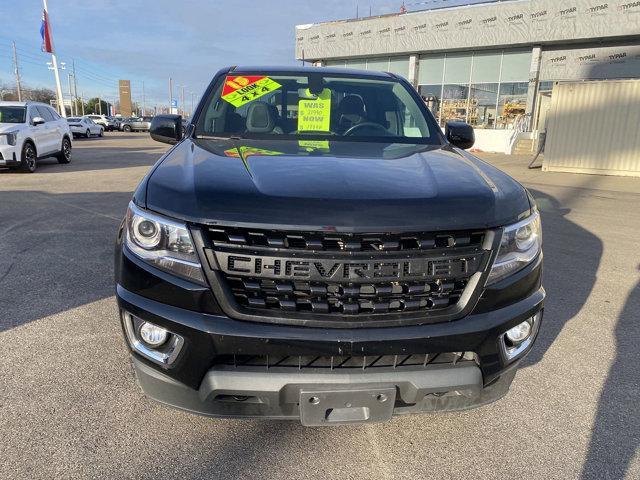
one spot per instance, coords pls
(239, 90)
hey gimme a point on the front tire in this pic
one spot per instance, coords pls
(126, 128)
(101, 134)
(64, 156)
(87, 134)
(29, 158)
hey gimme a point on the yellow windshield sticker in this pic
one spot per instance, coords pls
(239, 90)
(249, 151)
(311, 145)
(314, 114)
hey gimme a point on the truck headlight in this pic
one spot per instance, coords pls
(8, 138)
(521, 243)
(163, 243)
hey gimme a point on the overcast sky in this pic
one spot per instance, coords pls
(152, 40)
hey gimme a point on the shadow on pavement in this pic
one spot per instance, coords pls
(571, 259)
(57, 251)
(615, 436)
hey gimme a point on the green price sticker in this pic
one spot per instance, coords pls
(314, 114)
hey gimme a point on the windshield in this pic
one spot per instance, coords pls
(315, 106)
(13, 114)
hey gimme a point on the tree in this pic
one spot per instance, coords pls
(92, 106)
(44, 95)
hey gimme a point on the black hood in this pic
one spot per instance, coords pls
(350, 186)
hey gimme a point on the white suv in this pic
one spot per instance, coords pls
(30, 131)
(103, 120)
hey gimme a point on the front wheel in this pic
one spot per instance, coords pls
(64, 156)
(126, 128)
(101, 134)
(87, 134)
(29, 158)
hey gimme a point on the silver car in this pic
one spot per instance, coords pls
(136, 124)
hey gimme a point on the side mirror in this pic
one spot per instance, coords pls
(37, 121)
(166, 128)
(459, 134)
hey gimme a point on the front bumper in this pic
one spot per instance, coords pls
(283, 395)
(197, 384)
(9, 155)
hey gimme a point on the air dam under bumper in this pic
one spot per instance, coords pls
(327, 398)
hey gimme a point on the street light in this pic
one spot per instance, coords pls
(181, 87)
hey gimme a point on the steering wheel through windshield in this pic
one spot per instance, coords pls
(364, 125)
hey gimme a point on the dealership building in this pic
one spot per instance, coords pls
(493, 65)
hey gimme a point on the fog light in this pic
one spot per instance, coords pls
(151, 341)
(152, 334)
(519, 333)
(516, 341)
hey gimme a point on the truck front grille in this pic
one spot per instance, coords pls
(343, 277)
(341, 242)
(348, 299)
(343, 363)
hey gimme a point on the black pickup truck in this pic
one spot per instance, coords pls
(314, 247)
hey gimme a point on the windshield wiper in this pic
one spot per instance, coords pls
(218, 137)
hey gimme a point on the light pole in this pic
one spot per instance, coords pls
(170, 94)
(54, 61)
(181, 109)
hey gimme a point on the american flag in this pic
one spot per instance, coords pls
(45, 33)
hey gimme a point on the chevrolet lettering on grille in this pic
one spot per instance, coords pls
(333, 269)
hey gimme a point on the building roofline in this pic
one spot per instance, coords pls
(413, 12)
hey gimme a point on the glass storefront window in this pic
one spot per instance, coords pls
(430, 69)
(454, 103)
(431, 95)
(399, 65)
(380, 64)
(457, 68)
(360, 64)
(482, 105)
(512, 102)
(515, 66)
(487, 88)
(486, 67)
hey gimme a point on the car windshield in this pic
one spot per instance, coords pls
(315, 105)
(74, 119)
(12, 114)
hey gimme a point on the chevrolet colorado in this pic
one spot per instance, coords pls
(314, 247)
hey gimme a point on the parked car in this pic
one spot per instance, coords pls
(107, 122)
(30, 131)
(84, 127)
(315, 247)
(112, 124)
(117, 121)
(125, 124)
(136, 124)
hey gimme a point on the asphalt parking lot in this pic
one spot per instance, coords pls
(70, 407)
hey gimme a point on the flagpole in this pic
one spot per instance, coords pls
(54, 62)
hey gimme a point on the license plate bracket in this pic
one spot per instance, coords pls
(323, 406)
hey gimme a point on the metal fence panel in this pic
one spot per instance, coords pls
(594, 127)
